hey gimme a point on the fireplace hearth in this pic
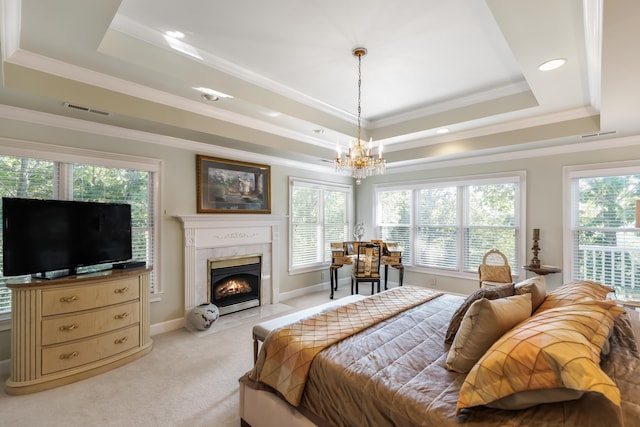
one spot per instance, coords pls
(234, 282)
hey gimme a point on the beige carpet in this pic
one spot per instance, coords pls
(189, 379)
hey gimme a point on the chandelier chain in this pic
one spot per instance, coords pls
(359, 92)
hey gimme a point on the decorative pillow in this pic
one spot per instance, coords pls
(573, 292)
(491, 293)
(495, 273)
(606, 347)
(485, 322)
(536, 287)
(554, 349)
(527, 399)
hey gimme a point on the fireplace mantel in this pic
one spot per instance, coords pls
(219, 235)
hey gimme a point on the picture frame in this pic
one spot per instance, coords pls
(230, 186)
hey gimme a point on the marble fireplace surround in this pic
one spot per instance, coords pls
(226, 235)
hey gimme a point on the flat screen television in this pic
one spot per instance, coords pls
(41, 236)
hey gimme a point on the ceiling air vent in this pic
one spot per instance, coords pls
(87, 109)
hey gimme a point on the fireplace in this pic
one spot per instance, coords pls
(226, 236)
(234, 282)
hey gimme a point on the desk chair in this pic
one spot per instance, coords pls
(366, 267)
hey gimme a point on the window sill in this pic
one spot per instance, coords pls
(155, 297)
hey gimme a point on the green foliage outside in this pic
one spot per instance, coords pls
(319, 216)
(608, 243)
(490, 223)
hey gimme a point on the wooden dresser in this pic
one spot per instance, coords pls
(68, 329)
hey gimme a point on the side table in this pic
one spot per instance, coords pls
(543, 269)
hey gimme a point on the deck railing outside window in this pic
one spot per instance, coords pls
(612, 266)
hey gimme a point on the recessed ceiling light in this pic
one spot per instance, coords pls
(552, 64)
(209, 97)
(442, 131)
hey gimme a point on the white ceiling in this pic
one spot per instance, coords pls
(469, 66)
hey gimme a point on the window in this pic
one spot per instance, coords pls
(394, 219)
(93, 183)
(450, 225)
(604, 243)
(27, 172)
(320, 213)
(21, 177)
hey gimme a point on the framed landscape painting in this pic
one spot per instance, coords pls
(229, 186)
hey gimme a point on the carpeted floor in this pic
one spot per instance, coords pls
(188, 379)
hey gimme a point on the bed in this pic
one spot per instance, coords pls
(398, 370)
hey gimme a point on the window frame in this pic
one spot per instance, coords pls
(70, 155)
(570, 173)
(518, 177)
(322, 185)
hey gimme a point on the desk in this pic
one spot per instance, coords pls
(342, 255)
(543, 269)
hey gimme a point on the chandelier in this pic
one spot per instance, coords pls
(359, 158)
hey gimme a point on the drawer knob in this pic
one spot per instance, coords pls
(121, 340)
(69, 355)
(121, 290)
(69, 327)
(69, 299)
(121, 316)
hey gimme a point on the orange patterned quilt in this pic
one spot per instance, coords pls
(287, 353)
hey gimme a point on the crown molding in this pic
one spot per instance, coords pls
(68, 123)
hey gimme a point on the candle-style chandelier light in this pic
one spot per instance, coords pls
(359, 158)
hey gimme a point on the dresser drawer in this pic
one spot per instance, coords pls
(60, 329)
(67, 356)
(72, 299)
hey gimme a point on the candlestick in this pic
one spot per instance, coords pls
(535, 262)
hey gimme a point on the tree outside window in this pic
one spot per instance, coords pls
(450, 225)
(320, 214)
(605, 242)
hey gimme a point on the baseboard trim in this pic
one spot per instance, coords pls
(5, 368)
(168, 326)
(304, 291)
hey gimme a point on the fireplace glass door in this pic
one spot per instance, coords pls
(234, 283)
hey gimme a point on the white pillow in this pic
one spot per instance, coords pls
(482, 325)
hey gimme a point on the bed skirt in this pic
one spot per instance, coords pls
(265, 409)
